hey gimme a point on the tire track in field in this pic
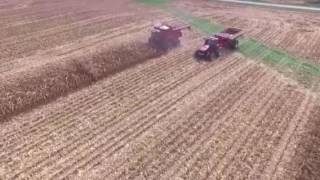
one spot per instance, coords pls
(260, 166)
(315, 40)
(317, 44)
(112, 135)
(161, 117)
(269, 37)
(169, 123)
(281, 33)
(303, 111)
(204, 138)
(300, 159)
(208, 161)
(296, 39)
(209, 145)
(93, 164)
(259, 141)
(288, 39)
(171, 140)
(227, 154)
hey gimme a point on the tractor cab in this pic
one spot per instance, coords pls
(211, 41)
(209, 48)
(162, 27)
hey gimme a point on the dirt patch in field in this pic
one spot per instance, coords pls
(28, 88)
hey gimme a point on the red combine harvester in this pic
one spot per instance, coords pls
(165, 36)
(227, 39)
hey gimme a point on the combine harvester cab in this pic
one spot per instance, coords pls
(165, 36)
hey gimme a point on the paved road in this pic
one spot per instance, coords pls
(295, 7)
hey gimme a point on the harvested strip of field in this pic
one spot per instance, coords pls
(25, 28)
(103, 105)
(142, 113)
(22, 47)
(113, 37)
(185, 76)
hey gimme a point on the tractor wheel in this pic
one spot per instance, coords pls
(151, 42)
(177, 43)
(173, 44)
(216, 54)
(234, 45)
(196, 55)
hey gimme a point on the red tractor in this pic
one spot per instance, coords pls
(165, 37)
(227, 39)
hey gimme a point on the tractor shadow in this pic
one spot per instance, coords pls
(163, 50)
(224, 53)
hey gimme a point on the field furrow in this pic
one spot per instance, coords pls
(202, 141)
(30, 27)
(283, 148)
(260, 142)
(221, 160)
(138, 76)
(84, 96)
(166, 119)
(176, 140)
(114, 122)
(147, 76)
(71, 49)
(26, 47)
(205, 146)
(148, 122)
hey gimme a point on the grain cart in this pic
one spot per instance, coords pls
(227, 39)
(165, 36)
